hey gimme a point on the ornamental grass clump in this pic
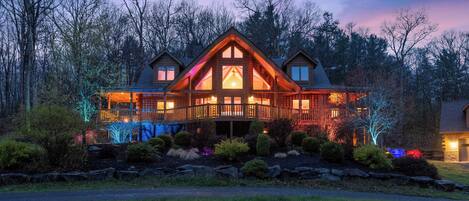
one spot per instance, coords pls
(256, 168)
(141, 152)
(332, 152)
(231, 149)
(372, 156)
(263, 145)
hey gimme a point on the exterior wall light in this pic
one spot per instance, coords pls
(453, 145)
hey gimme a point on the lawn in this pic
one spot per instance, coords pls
(458, 172)
(359, 185)
(263, 198)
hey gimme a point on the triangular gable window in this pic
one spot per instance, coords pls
(227, 53)
(206, 82)
(237, 53)
(258, 82)
(232, 77)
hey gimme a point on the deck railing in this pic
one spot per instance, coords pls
(213, 111)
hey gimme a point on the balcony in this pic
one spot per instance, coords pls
(218, 112)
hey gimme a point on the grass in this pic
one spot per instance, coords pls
(360, 185)
(453, 171)
(260, 198)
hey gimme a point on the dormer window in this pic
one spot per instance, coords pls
(228, 53)
(300, 73)
(166, 73)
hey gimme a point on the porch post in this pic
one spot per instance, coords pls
(231, 129)
(131, 106)
(108, 101)
(164, 105)
(300, 105)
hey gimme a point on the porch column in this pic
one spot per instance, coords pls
(300, 105)
(231, 129)
(164, 105)
(131, 106)
(108, 101)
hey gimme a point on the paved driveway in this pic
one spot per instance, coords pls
(130, 194)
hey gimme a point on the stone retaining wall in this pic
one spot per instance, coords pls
(275, 172)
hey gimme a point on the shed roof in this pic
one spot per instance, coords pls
(452, 117)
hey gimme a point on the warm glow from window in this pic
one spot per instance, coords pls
(166, 73)
(160, 106)
(208, 100)
(337, 98)
(258, 100)
(300, 73)
(227, 53)
(304, 104)
(232, 77)
(206, 82)
(258, 82)
(335, 112)
(237, 53)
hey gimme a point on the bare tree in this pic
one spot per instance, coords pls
(162, 31)
(26, 16)
(408, 30)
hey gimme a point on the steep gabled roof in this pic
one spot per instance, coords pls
(232, 35)
(164, 52)
(303, 53)
(452, 117)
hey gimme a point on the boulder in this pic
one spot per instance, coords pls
(280, 155)
(303, 169)
(354, 172)
(462, 187)
(74, 176)
(152, 172)
(422, 181)
(287, 173)
(126, 174)
(274, 171)
(444, 185)
(337, 172)
(329, 177)
(198, 170)
(293, 153)
(183, 173)
(322, 170)
(14, 178)
(227, 171)
(101, 174)
(378, 175)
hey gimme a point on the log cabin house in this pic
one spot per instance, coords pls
(231, 82)
(454, 129)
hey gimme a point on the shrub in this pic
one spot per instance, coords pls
(297, 138)
(318, 133)
(279, 129)
(76, 158)
(372, 156)
(231, 149)
(141, 152)
(205, 133)
(263, 145)
(168, 141)
(18, 155)
(415, 167)
(332, 152)
(183, 139)
(310, 145)
(52, 127)
(256, 127)
(255, 167)
(157, 143)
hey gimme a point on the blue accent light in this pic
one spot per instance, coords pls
(397, 152)
(121, 132)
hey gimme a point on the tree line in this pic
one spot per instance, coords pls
(62, 52)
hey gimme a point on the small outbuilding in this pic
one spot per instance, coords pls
(454, 128)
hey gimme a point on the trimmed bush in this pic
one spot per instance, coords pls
(279, 129)
(256, 127)
(415, 167)
(141, 152)
(297, 138)
(318, 133)
(19, 155)
(183, 139)
(168, 141)
(157, 143)
(372, 156)
(256, 167)
(263, 145)
(311, 145)
(231, 149)
(52, 127)
(332, 152)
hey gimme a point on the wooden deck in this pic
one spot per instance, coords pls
(217, 112)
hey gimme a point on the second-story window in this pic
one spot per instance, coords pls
(300, 73)
(166, 73)
(232, 52)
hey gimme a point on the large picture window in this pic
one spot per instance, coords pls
(300, 73)
(232, 77)
(206, 82)
(166, 73)
(258, 83)
(304, 104)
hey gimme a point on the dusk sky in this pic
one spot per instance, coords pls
(448, 14)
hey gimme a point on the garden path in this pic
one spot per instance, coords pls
(134, 194)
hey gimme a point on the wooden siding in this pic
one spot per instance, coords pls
(165, 60)
(301, 60)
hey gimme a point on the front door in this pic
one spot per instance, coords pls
(464, 149)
